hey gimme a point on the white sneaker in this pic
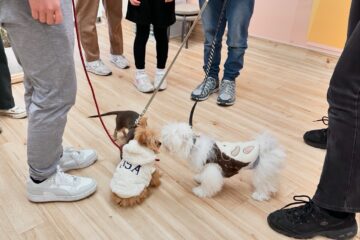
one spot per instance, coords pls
(158, 76)
(98, 67)
(76, 159)
(142, 82)
(120, 61)
(60, 187)
(15, 112)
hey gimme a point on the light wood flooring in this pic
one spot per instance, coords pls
(282, 89)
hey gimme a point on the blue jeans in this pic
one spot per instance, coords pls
(237, 15)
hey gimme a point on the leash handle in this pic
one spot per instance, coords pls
(88, 78)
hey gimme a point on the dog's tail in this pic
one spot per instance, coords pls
(266, 171)
(106, 114)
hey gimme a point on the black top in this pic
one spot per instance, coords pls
(155, 12)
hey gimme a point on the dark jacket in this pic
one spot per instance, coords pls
(155, 12)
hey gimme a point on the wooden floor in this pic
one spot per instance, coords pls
(281, 88)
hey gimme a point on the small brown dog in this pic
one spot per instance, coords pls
(136, 172)
(125, 120)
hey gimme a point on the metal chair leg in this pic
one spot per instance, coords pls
(183, 28)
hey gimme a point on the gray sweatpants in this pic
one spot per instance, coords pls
(46, 55)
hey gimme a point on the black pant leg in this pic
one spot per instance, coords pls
(339, 187)
(162, 46)
(142, 36)
(354, 16)
(6, 98)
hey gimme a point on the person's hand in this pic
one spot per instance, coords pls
(46, 11)
(167, 1)
(135, 2)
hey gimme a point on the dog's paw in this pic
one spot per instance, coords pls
(197, 178)
(259, 196)
(198, 191)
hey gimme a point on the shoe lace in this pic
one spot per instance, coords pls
(207, 85)
(324, 119)
(227, 87)
(63, 178)
(73, 152)
(300, 214)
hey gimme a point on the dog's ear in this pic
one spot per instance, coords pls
(143, 122)
(141, 136)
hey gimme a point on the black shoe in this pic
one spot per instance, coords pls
(317, 138)
(309, 220)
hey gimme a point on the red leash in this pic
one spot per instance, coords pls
(89, 81)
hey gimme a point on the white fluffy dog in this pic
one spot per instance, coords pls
(213, 161)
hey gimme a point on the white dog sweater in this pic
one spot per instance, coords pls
(134, 172)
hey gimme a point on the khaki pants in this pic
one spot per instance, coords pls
(87, 14)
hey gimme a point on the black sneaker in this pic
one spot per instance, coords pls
(205, 89)
(317, 138)
(309, 220)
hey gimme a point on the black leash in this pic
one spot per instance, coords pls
(210, 60)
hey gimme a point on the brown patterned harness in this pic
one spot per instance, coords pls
(229, 166)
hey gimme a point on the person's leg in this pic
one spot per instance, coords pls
(318, 138)
(87, 14)
(212, 57)
(354, 17)
(162, 46)
(238, 14)
(6, 98)
(50, 79)
(210, 20)
(113, 10)
(162, 49)
(331, 211)
(339, 187)
(141, 38)
(142, 81)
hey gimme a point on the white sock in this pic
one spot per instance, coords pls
(160, 71)
(140, 71)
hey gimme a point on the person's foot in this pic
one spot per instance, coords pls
(120, 61)
(76, 159)
(317, 138)
(15, 112)
(158, 77)
(202, 92)
(227, 93)
(309, 220)
(98, 67)
(142, 82)
(60, 187)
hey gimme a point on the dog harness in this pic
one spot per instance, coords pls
(232, 157)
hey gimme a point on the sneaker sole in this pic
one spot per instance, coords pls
(121, 67)
(54, 198)
(347, 233)
(81, 166)
(315, 145)
(150, 91)
(204, 98)
(225, 104)
(14, 116)
(99, 74)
